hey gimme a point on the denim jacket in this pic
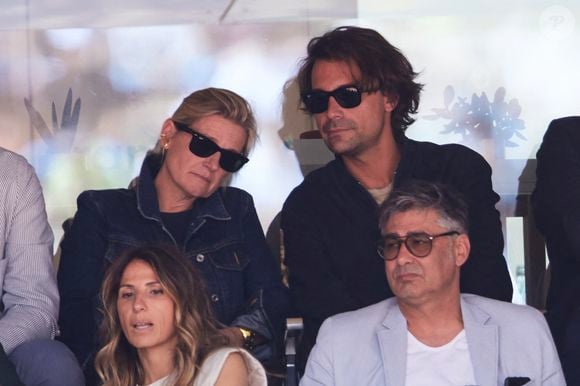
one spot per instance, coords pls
(224, 241)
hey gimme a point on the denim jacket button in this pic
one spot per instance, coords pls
(200, 258)
(215, 298)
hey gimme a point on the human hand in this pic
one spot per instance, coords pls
(234, 336)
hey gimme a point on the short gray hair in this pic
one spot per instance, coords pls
(423, 195)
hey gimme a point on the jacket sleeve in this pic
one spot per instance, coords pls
(486, 272)
(552, 374)
(556, 197)
(317, 290)
(29, 292)
(267, 305)
(80, 275)
(314, 287)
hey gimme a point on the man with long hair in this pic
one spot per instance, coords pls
(361, 91)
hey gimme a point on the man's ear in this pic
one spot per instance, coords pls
(391, 101)
(462, 247)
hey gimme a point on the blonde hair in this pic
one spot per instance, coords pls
(117, 363)
(216, 101)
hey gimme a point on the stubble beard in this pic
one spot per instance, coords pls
(351, 143)
(347, 143)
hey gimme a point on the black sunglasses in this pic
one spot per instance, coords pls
(418, 244)
(203, 147)
(316, 101)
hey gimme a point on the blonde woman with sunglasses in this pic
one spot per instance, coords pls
(179, 199)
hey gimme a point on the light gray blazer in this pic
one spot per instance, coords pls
(369, 346)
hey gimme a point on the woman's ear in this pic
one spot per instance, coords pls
(168, 130)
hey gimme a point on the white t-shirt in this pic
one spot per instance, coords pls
(212, 367)
(380, 194)
(447, 365)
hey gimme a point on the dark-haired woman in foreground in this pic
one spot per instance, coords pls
(159, 329)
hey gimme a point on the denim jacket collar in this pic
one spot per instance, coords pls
(147, 203)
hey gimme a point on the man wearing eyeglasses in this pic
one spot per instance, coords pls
(361, 92)
(429, 333)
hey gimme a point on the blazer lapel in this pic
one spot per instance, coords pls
(482, 340)
(392, 338)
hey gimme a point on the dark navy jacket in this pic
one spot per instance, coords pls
(556, 203)
(330, 225)
(224, 241)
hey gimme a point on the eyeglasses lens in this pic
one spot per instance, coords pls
(201, 146)
(232, 162)
(204, 147)
(346, 96)
(390, 249)
(418, 245)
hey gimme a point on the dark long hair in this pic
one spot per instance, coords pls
(383, 68)
(196, 329)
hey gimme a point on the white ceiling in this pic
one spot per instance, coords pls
(48, 14)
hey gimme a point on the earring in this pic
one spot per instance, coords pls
(164, 150)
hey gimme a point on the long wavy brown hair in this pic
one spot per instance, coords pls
(197, 333)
